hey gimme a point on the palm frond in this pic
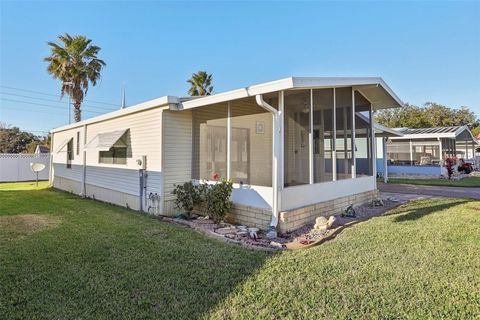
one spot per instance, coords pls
(74, 62)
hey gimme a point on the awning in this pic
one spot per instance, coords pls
(104, 141)
(63, 145)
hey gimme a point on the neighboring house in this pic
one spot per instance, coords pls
(421, 151)
(42, 149)
(295, 149)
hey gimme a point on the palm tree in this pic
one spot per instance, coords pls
(201, 84)
(75, 63)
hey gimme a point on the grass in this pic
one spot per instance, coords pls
(466, 182)
(28, 185)
(97, 261)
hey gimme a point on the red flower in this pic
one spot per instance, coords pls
(215, 176)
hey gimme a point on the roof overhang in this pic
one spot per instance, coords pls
(155, 103)
(373, 88)
(383, 131)
(380, 131)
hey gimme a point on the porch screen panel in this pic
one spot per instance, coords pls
(343, 141)
(251, 144)
(426, 153)
(209, 148)
(297, 128)
(398, 152)
(363, 136)
(322, 135)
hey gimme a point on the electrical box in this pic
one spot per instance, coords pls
(142, 162)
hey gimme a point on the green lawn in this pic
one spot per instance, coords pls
(62, 257)
(29, 185)
(466, 182)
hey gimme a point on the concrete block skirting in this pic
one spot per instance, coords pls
(250, 216)
(294, 219)
(244, 215)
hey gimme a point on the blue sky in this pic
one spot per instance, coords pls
(426, 51)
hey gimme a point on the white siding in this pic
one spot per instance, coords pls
(122, 180)
(59, 159)
(177, 152)
(113, 183)
(144, 138)
(74, 173)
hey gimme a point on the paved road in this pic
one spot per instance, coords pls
(452, 192)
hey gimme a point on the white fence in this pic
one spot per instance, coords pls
(16, 167)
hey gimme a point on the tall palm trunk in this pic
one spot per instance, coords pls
(77, 111)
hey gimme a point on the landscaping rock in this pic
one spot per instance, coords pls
(242, 233)
(377, 203)
(321, 223)
(276, 245)
(226, 230)
(253, 233)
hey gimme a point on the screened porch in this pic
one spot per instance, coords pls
(289, 143)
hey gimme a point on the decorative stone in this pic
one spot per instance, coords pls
(321, 223)
(330, 221)
(226, 230)
(253, 232)
(276, 245)
(377, 203)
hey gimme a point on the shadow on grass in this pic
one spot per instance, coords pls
(106, 261)
(422, 208)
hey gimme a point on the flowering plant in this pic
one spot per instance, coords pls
(449, 163)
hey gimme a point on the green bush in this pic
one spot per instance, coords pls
(217, 198)
(187, 195)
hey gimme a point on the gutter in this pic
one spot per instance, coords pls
(276, 155)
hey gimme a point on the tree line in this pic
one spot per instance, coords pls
(430, 115)
(15, 140)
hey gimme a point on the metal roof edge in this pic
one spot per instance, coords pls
(154, 103)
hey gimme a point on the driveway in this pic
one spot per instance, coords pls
(439, 191)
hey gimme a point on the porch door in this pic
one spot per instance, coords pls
(240, 155)
(302, 147)
(216, 152)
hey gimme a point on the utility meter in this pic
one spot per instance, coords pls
(142, 162)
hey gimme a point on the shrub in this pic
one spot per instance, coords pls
(218, 201)
(187, 195)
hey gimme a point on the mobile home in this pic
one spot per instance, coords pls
(295, 148)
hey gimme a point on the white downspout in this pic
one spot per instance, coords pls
(50, 164)
(84, 163)
(276, 148)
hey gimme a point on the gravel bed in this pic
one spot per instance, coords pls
(305, 235)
